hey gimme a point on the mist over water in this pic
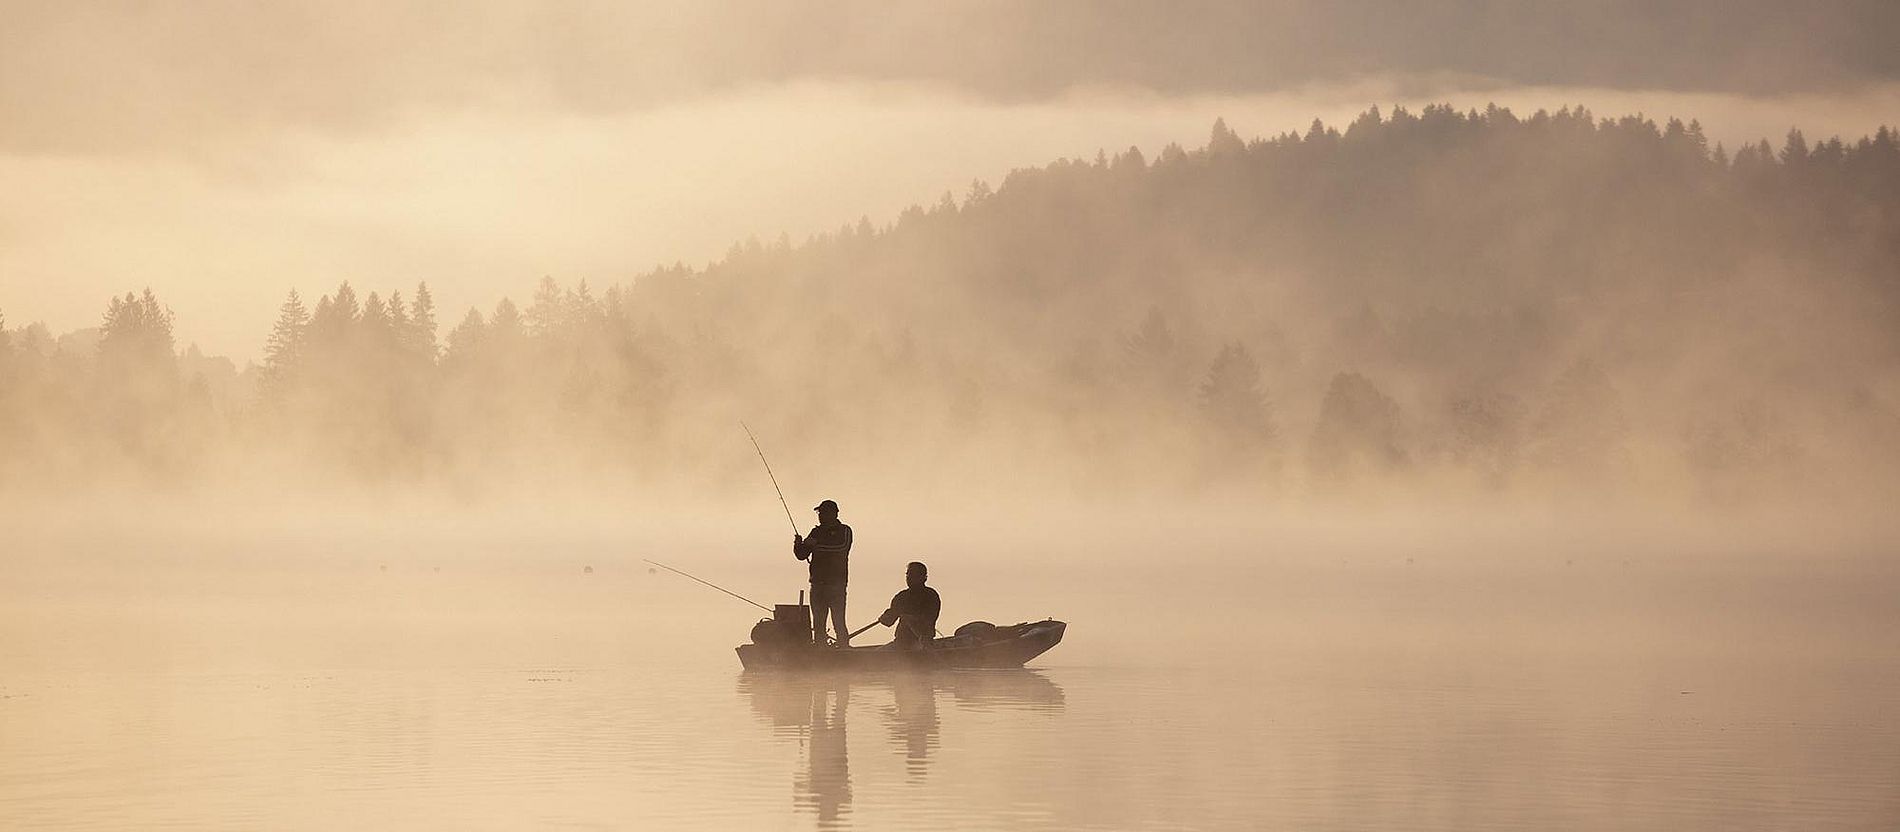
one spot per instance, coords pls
(1366, 672)
(1422, 417)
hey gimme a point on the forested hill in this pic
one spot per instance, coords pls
(1471, 301)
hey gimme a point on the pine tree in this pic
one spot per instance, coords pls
(548, 312)
(1233, 400)
(158, 324)
(398, 316)
(118, 319)
(375, 316)
(1222, 141)
(284, 352)
(137, 331)
(467, 337)
(347, 311)
(1795, 151)
(581, 305)
(506, 323)
(422, 322)
(1366, 124)
(1359, 432)
(1129, 162)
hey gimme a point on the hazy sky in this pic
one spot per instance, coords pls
(222, 153)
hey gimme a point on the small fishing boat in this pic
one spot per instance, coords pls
(978, 644)
(784, 641)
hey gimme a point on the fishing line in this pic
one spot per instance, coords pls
(708, 583)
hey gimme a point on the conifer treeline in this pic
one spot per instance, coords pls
(1448, 299)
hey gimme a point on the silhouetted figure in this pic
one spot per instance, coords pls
(828, 548)
(914, 610)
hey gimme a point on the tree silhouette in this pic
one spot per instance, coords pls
(138, 386)
(376, 319)
(1795, 151)
(1359, 433)
(466, 338)
(506, 326)
(284, 352)
(549, 311)
(420, 336)
(136, 334)
(1223, 141)
(1021, 331)
(1233, 400)
(398, 318)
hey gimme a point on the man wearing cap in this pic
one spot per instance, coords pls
(828, 548)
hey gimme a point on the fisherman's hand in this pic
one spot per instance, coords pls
(888, 618)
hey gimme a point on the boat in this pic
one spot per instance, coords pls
(775, 645)
(784, 641)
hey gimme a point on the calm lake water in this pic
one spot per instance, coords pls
(217, 681)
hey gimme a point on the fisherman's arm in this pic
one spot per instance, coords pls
(801, 548)
(890, 615)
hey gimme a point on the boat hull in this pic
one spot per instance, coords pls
(1006, 647)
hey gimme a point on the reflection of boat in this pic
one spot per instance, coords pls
(782, 698)
(816, 706)
(971, 648)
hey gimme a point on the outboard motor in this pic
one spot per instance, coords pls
(790, 624)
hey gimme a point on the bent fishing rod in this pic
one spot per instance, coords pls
(708, 583)
(768, 472)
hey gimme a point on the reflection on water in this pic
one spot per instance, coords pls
(914, 723)
(816, 708)
(207, 694)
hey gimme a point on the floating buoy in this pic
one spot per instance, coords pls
(588, 570)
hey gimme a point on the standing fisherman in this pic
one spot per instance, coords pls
(828, 547)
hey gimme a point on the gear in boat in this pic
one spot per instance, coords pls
(784, 641)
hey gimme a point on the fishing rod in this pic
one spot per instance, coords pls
(708, 583)
(768, 472)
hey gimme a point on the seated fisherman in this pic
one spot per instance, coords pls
(914, 610)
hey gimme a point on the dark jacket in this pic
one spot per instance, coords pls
(917, 610)
(828, 547)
